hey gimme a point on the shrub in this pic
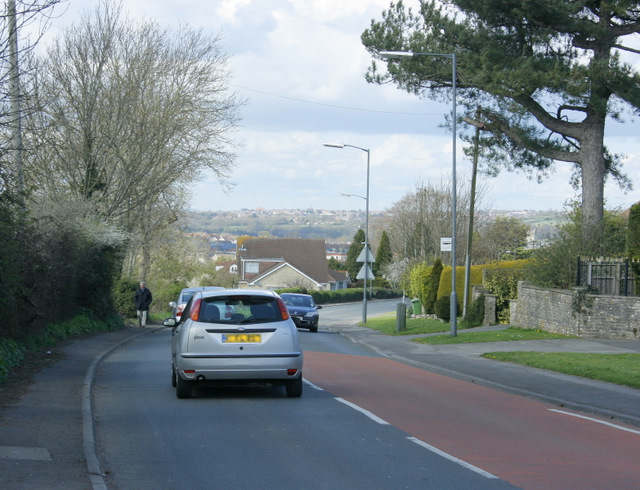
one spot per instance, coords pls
(475, 279)
(430, 290)
(12, 352)
(162, 295)
(444, 288)
(418, 277)
(293, 290)
(504, 284)
(442, 308)
(337, 296)
(555, 264)
(123, 293)
(342, 295)
(11, 355)
(475, 313)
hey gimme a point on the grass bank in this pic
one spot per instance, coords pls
(507, 335)
(386, 324)
(621, 369)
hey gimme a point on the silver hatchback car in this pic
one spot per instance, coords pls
(258, 343)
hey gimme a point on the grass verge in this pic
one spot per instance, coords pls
(386, 324)
(506, 335)
(621, 369)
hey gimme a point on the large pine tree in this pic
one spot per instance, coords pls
(543, 76)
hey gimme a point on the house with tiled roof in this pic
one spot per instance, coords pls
(276, 263)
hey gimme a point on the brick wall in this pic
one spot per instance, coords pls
(576, 313)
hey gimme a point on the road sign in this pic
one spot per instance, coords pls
(361, 257)
(445, 244)
(369, 273)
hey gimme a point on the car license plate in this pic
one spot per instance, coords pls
(235, 338)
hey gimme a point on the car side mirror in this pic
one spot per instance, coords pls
(170, 322)
(318, 307)
(172, 304)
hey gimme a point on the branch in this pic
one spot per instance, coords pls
(626, 48)
(498, 125)
(625, 29)
(473, 122)
(553, 124)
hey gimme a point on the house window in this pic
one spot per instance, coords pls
(251, 267)
(233, 269)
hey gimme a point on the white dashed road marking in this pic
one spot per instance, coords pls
(28, 453)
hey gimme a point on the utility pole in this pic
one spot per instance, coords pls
(467, 269)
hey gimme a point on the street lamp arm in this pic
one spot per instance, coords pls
(343, 145)
(399, 55)
(354, 195)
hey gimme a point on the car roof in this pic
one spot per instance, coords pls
(235, 292)
(201, 288)
(296, 294)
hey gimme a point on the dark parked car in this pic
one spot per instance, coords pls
(303, 310)
(257, 344)
(184, 297)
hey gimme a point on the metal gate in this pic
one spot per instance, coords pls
(612, 277)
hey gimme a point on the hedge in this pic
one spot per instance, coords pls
(343, 295)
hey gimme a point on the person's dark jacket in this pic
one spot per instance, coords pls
(143, 299)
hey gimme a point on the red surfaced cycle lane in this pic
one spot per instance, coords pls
(523, 441)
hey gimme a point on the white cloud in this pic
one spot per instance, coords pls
(301, 64)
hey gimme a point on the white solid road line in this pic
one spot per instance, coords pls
(595, 420)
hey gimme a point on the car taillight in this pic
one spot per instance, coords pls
(283, 309)
(195, 310)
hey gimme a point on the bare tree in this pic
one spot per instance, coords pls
(132, 114)
(503, 237)
(14, 47)
(423, 216)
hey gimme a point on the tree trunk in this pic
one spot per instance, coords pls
(593, 172)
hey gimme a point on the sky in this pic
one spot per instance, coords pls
(300, 66)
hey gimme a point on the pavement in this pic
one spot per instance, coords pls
(47, 438)
(46, 433)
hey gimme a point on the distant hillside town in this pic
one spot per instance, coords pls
(337, 227)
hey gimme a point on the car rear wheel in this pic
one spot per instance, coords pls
(294, 388)
(183, 388)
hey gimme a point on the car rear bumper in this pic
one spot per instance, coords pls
(234, 367)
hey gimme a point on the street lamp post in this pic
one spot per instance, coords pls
(366, 226)
(410, 54)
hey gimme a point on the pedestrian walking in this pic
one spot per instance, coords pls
(143, 299)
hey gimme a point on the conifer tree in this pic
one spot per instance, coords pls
(384, 256)
(543, 77)
(352, 254)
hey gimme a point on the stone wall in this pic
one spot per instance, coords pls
(576, 312)
(490, 317)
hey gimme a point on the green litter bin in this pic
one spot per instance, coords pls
(417, 307)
